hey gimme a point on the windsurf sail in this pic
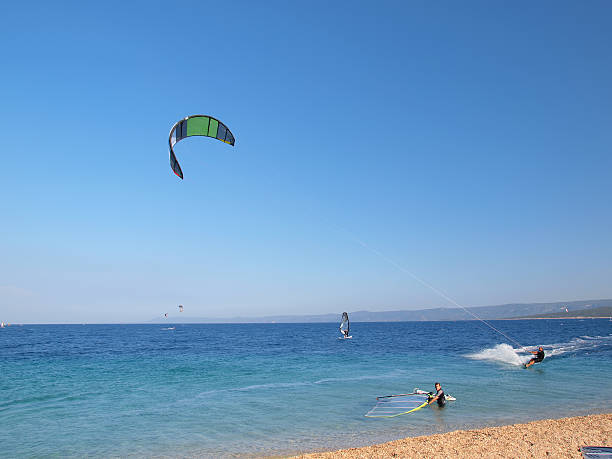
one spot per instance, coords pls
(345, 325)
(390, 406)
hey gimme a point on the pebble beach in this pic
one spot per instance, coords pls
(558, 438)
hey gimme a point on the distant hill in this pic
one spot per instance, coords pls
(605, 312)
(504, 311)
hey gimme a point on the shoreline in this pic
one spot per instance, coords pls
(545, 438)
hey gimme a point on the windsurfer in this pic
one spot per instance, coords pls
(539, 356)
(438, 396)
(345, 325)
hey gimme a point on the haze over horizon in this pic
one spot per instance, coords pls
(470, 145)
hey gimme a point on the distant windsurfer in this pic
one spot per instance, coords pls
(438, 396)
(539, 356)
(345, 325)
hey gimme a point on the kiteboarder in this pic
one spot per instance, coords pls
(539, 356)
(438, 397)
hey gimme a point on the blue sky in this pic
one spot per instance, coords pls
(470, 142)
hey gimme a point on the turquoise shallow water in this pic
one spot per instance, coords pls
(262, 389)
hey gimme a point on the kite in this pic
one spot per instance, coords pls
(196, 125)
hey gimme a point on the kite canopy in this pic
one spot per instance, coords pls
(196, 125)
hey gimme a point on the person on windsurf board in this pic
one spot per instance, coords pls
(345, 325)
(539, 356)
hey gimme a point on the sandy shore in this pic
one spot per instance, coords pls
(550, 438)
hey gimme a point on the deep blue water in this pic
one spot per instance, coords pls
(263, 389)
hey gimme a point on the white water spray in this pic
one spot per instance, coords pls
(503, 353)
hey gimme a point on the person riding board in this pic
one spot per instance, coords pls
(539, 356)
(438, 397)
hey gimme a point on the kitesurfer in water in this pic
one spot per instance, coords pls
(346, 332)
(539, 356)
(438, 396)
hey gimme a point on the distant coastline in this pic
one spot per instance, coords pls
(555, 318)
(583, 309)
(602, 312)
(561, 309)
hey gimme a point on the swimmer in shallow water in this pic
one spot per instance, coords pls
(438, 396)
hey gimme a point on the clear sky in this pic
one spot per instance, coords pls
(470, 142)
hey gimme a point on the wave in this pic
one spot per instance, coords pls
(298, 383)
(581, 344)
(361, 378)
(505, 353)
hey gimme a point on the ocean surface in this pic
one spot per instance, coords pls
(244, 390)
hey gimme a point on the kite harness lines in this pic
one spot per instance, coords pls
(431, 287)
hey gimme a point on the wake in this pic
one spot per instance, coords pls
(504, 353)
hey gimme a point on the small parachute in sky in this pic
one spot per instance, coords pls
(197, 125)
(180, 306)
(166, 314)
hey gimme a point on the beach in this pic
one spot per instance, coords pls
(558, 438)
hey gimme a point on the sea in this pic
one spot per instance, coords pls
(252, 390)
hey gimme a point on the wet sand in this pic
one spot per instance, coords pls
(552, 438)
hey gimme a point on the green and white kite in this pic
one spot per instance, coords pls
(197, 125)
